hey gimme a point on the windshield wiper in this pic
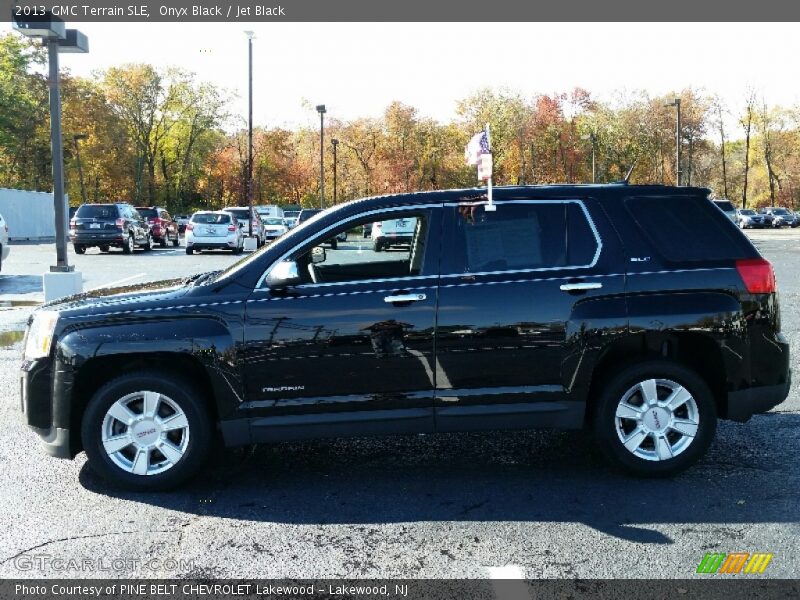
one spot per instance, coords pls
(199, 277)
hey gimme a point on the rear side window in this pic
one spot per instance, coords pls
(211, 219)
(517, 236)
(242, 215)
(688, 229)
(97, 211)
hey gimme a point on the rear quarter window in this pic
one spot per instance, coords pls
(688, 229)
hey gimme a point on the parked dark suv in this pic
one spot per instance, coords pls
(163, 228)
(116, 225)
(640, 312)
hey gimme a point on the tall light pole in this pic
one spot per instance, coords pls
(249, 182)
(591, 136)
(335, 143)
(321, 111)
(75, 139)
(57, 39)
(677, 104)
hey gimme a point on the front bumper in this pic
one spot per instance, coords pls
(42, 411)
(745, 403)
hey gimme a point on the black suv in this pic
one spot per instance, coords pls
(116, 225)
(639, 312)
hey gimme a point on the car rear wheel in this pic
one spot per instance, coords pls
(128, 245)
(163, 242)
(104, 248)
(655, 418)
(79, 249)
(377, 246)
(177, 240)
(146, 432)
(189, 250)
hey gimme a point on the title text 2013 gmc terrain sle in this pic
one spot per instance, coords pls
(639, 312)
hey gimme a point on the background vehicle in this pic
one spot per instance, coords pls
(163, 228)
(116, 225)
(728, 208)
(749, 219)
(244, 216)
(214, 230)
(4, 248)
(305, 214)
(182, 221)
(395, 232)
(269, 210)
(535, 314)
(290, 217)
(274, 228)
(778, 216)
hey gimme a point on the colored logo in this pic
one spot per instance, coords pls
(734, 562)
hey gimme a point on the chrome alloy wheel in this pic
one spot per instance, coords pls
(145, 433)
(657, 419)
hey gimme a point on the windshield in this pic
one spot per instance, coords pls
(283, 243)
(211, 218)
(97, 211)
(273, 221)
(747, 211)
(241, 214)
(724, 205)
(780, 211)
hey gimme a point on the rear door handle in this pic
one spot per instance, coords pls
(581, 286)
(404, 298)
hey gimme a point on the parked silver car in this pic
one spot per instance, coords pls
(747, 218)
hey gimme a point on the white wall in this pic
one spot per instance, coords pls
(30, 215)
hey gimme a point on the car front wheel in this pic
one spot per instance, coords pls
(80, 249)
(655, 418)
(146, 432)
(128, 245)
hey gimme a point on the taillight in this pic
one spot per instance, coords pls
(189, 227)
(757, 275)
(120, 223)
(72, 223)
(231, 228)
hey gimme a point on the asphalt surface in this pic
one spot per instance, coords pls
(532, 504)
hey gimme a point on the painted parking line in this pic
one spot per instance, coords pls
(508, 582)
(117, 282)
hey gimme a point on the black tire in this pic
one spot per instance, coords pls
(105, 248)
(377, 246)
(127, 247)
(177, 240)
(237, 250)
(189, 250)
(615, 389)
(179, 392)
(79, 249)
(148, 244)
(163, 242)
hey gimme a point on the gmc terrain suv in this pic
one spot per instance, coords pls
(641, 313)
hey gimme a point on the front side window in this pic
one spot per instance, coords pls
(347, 256)
(522, 236)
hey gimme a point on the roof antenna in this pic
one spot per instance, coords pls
(633, 166)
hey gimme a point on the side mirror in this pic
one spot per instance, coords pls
(318, 255)
(283, 275)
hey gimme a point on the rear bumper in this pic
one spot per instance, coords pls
(110, 238)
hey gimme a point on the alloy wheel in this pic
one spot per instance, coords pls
(145, 433)
(657, 419)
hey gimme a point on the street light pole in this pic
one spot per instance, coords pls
(75, 139)
(335, 143)
(62, 262)
(677, 104)
(249, 182)
(321, 111)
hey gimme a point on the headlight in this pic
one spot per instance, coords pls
(40, 334)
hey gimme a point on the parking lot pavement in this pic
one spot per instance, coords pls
(539, 503)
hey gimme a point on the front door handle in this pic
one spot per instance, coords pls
(405, 298)
(581, 286)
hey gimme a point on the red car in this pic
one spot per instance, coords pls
(163, 227)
